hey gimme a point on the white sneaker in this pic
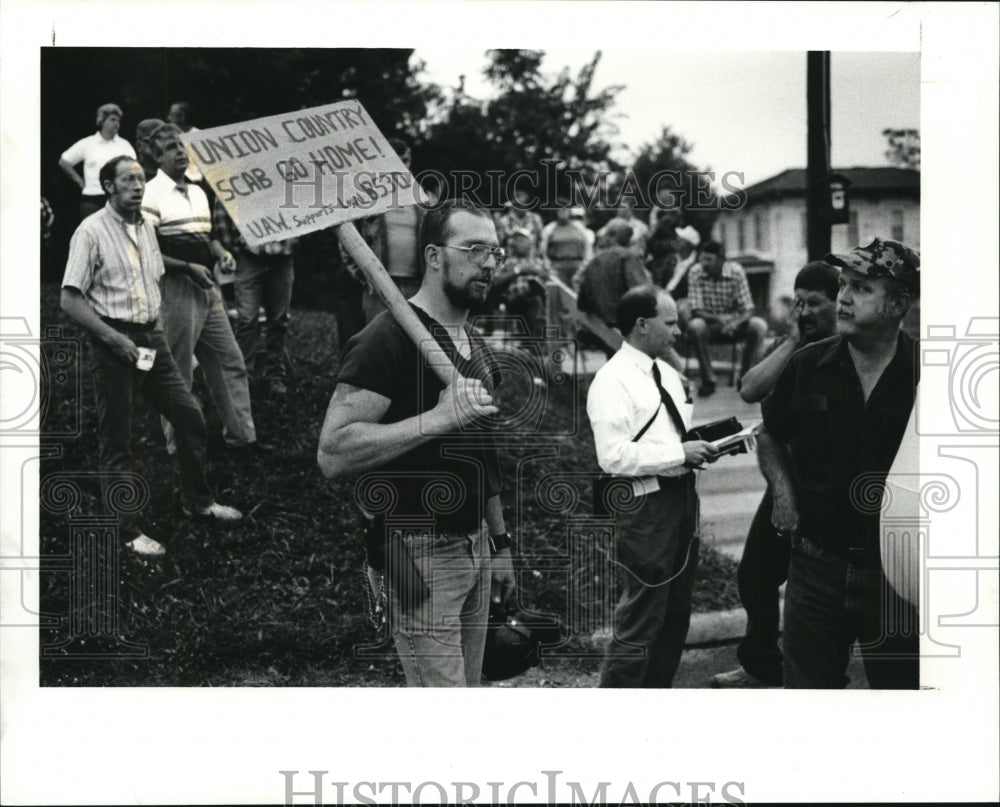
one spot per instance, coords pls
(222, 513)
(739, 679)
(146, 547)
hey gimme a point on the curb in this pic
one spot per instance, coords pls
(710, 628)
(724, 627)
(716, 627)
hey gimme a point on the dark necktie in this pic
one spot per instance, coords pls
(668, 402)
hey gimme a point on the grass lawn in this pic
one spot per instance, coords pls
(280, 600)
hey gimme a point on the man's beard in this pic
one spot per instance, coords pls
(464, 296)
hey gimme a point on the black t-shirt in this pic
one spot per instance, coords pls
(444, 483)
(842, 447)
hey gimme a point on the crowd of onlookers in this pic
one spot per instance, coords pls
(597, 264)
(222, 307)
(163, 282)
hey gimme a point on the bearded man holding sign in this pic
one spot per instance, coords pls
(427, 453)
(410, 415)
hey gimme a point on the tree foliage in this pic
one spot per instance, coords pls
(903, 147)
(533, 117)
(223, 85)
(663, 166)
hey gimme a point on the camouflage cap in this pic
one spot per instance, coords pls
(882, 259)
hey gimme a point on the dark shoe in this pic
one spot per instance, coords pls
(706, 389)
(254, 449)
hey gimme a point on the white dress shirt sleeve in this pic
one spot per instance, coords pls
(612, 413)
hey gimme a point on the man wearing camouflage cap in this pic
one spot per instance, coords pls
(832, 426)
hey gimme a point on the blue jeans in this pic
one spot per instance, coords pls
(763, 568)
(440, 643)
(830, 603)
(658, 547)
(116, 383)
(195, 322)
(263, 280)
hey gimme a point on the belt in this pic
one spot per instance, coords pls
(675, 481)
(860, 557)
(123, 325)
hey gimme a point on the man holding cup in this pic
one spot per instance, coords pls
(111, 290)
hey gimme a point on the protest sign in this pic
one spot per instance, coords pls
(292, 174)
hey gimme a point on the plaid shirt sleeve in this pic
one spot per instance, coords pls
(696, 292)
(743, 297)
(223, 228)
(368, 230)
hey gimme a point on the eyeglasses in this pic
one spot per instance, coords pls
(478, 254)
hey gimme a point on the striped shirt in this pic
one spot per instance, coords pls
(729, 294)
(182, 218)
(116, 266)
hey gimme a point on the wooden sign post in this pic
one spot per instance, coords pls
(378, 278)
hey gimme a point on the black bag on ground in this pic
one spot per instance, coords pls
(513, 641)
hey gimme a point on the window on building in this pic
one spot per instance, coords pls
(758, 236)
(763, 232)
(897, 225)
(805, 230)
(853, 239)
(742, 246)
(724, 235)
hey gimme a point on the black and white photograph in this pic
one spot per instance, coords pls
(369, 353)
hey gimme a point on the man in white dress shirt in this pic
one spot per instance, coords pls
(639, 415)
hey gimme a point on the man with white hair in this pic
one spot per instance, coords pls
(194, 315)
(111, 290)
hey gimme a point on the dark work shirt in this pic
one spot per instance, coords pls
(446, 480)
(610, 274)
(841, 447)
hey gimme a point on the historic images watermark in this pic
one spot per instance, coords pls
(548, 188)
(945, 515)
(547, 788)
(37, 372)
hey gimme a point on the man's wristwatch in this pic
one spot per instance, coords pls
(500, 542)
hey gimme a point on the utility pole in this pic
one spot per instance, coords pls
(818, 154)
